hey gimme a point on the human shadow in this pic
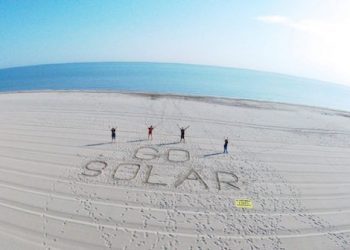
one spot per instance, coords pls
(97, 144)
(139, 140)
(169, 143)
(213, 154)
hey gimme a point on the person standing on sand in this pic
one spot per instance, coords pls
(225, 146)
(182, 135)
(113, 133)
(150, 131)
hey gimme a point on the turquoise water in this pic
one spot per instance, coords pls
(177, 78)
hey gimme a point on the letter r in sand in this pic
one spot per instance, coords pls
(228, 178)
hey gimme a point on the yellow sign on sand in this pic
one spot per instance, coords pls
(243, 203)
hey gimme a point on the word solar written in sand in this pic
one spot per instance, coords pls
(151, 173)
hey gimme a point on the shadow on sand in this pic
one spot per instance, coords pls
(169, 143)
(213, 154)
(139, 140)
(97, 144)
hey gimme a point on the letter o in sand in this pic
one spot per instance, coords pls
(146, 153)
(131, 171)
(178, 155)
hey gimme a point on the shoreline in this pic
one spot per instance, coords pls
(202, 98)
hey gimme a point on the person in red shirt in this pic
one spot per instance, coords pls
(150, 132)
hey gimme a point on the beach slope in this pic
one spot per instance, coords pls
(65, 185)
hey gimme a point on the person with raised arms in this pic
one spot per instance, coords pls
(113, 133)
(150, 132)
(182, 133)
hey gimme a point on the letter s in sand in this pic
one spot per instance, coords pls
(94, 168)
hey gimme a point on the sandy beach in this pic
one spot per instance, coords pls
(64, 185)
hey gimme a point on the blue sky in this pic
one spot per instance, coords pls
(303, 38)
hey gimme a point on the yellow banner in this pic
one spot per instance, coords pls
(243, 203)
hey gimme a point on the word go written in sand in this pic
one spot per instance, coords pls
(172, 168)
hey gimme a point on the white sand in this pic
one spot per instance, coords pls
(293, 162)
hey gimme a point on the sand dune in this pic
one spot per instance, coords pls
(64, 185)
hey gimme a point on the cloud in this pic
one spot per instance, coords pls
(273, 19)
(320, 43)
(307, 25)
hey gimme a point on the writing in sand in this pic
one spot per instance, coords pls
(150, 167)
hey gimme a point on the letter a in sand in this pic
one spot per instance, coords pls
(187, 177)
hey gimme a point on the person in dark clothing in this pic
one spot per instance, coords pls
(182, 133)
(113, 134)
(150, 131)
(225, 146)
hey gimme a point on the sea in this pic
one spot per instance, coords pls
(177, 79)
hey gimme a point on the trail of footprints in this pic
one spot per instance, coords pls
(294, 204)
(232, 222)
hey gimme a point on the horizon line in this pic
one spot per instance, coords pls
(177, 63)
